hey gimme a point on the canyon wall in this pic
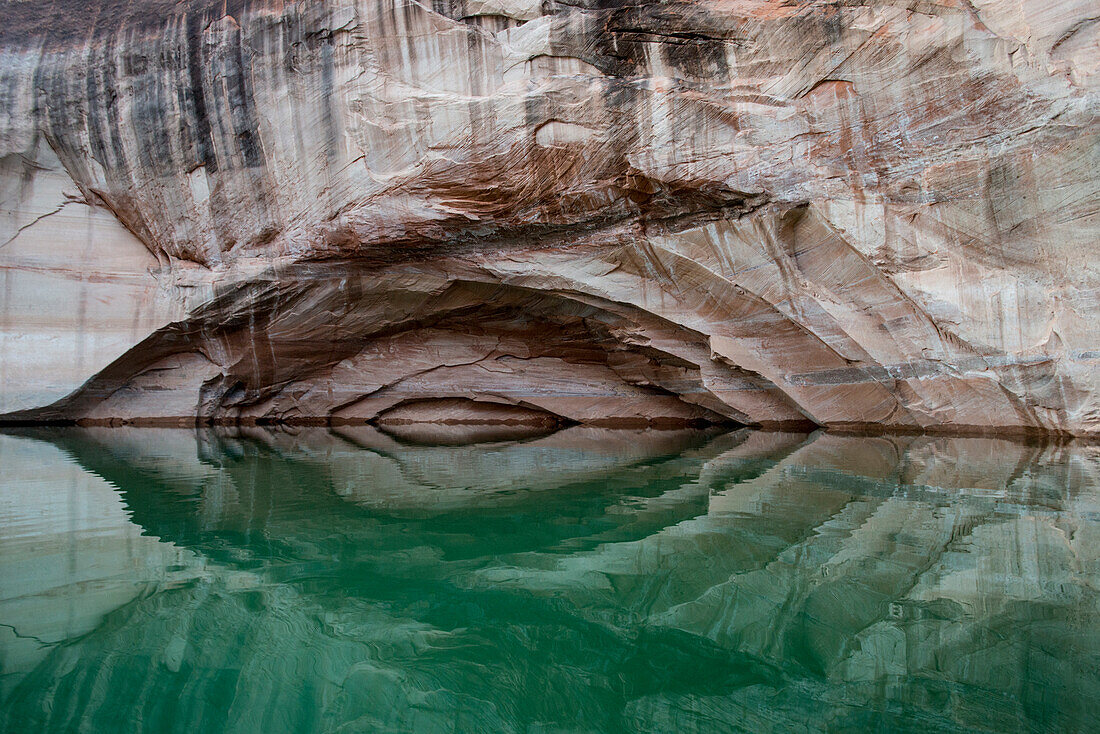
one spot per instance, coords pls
(659, 213)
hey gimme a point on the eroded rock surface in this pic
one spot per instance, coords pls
(664, 213)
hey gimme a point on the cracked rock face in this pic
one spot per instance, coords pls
(601, 212)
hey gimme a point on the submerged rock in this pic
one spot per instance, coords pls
(661, 213)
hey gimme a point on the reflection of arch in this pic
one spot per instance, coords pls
(203, 489)
(735, 550)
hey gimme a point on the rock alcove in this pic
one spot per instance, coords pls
(616, 213)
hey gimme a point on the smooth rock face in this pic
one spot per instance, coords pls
(615, 213)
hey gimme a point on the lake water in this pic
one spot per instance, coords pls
(156, 580)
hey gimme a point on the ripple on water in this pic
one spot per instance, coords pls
(341, 580)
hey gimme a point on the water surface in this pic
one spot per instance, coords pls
(155, 580)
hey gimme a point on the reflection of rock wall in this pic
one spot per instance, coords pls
(651, 581)
(69, 555)
(681, 211)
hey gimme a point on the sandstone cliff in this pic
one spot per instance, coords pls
(596, 211)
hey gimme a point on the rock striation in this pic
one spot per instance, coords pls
(661, 213)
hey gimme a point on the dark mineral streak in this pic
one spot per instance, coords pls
(657, 213)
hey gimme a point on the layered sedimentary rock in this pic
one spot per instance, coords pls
(602, 212)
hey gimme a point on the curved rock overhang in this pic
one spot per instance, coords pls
(596, 344)
(616, 213)
(337, 346)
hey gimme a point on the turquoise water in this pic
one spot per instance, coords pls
(157, 580)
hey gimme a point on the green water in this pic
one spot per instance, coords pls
(157, 580)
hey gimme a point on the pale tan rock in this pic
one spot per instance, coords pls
(676, 212)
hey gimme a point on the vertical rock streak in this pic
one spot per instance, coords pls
(615, 213)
